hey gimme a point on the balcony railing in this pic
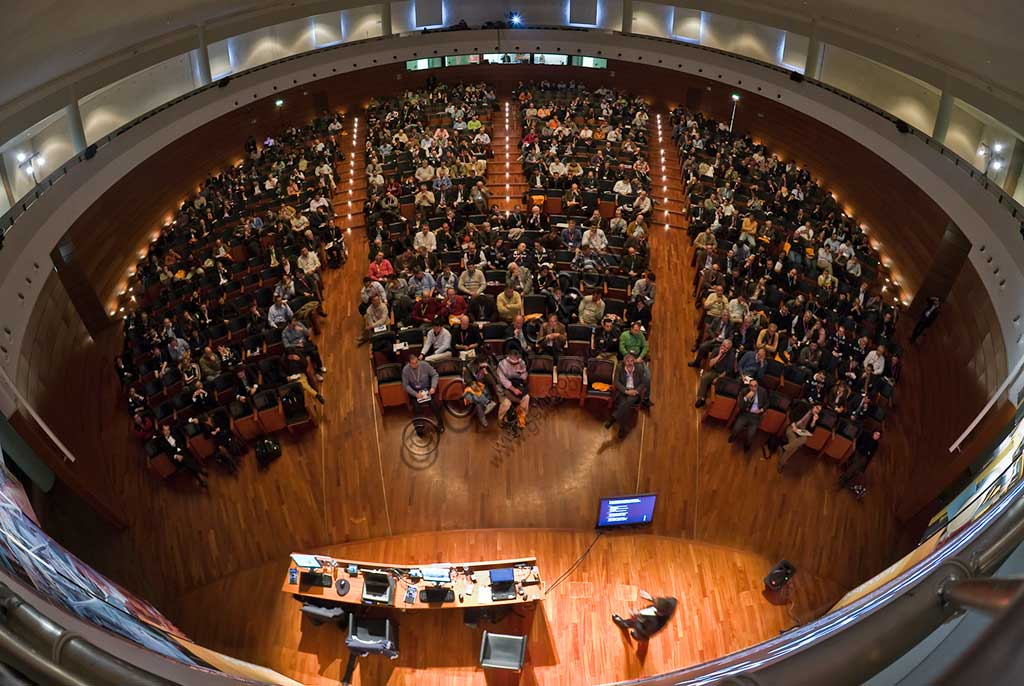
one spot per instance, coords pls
(1015, 209)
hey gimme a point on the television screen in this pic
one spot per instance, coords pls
(549, 58)
(507, 57)
(626, 510)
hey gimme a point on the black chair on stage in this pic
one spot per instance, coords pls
(369, 636)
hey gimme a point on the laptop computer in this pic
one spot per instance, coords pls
(503, 583)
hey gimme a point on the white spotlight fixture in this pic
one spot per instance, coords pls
(516, 19)
(278, 102)
(990, 155)
(30, 164)
(735, 102)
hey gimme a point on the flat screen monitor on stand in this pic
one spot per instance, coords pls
(626, 510)
(378, 587)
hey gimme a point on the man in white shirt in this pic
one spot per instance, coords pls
(874, 362)
(318, 202)
(618, 224)
(325, 173)
(438, 345)
(424, 172)
(425, 239)
(595, 238)
(642, 204)
(804, 232)
(309, 263)
(622, 187)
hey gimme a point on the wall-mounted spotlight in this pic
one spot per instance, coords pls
(30, 163)
(515, 19)
(278, 102)
(991, 155)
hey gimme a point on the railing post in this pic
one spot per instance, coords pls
(203, 74)
(627, 16)
(385, 18)
(6, 181)
(74, 115)
(812, 66)
(944, 113)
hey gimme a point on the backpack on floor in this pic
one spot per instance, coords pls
(267, 450)
(237, 447)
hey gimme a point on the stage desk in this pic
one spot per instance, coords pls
(469, 582)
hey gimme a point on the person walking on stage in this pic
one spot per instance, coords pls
(928, 317)
(644, 623)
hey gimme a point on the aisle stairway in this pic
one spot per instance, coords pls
(350, 169)
(667, 187)
(505, 172)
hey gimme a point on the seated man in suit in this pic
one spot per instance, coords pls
(754, 364)
(753, 404)
(632, 383)
(172, 444)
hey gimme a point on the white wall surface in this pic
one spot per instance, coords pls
(652, 19)
(114, 106)
(220, 60)
(402, 19)
(272, 43)
(911, 100)
(51, 138)
(364, 22)
(794, 54)
(583, 12)
(326, 29)
(686, 24)
(743, 37)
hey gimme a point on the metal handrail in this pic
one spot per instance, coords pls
(1016, 210)
(50, 654)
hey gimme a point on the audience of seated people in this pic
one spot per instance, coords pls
(450, 273)
(784, 277)
(228, 298)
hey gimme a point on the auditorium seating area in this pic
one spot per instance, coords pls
(207, 361)
(553, 258)
(781, 267)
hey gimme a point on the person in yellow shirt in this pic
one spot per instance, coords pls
(748, 230)
(510, 304)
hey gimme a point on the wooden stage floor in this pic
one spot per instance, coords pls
(572, 641)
